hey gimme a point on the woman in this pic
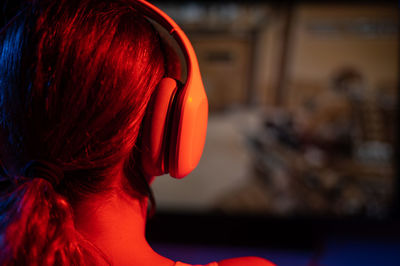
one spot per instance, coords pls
(75, 80)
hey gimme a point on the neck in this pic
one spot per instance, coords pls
(115, 223)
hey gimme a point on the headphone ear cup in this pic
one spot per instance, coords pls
(188, 129)
(156, 127)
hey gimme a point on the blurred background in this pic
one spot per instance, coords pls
(300, 163)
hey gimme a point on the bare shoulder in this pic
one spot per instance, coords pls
(246, 261)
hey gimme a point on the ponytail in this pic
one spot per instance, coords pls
(37, 228)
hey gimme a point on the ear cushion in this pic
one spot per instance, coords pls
(155, 128)
(188, 131)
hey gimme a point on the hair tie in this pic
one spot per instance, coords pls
(43, 169)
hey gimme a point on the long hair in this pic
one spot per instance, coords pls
(75, 80)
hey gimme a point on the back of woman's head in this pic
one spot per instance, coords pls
(75, 79)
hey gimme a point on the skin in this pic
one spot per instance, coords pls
(115, 222)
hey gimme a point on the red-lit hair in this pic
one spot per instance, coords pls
(75, 80)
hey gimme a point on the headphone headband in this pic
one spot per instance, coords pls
(156, 14)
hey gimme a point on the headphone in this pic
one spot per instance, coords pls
(175, 124)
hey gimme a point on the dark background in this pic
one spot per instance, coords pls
(328, 234)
